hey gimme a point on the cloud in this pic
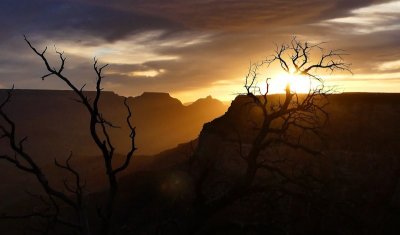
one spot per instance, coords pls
(135, 49)
(370, 19)
(236, 14)
(141, 73)
(113, 20)
(187, 47)
(74, 19)
(390, 65)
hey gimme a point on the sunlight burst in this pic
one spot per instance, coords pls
(298, 83)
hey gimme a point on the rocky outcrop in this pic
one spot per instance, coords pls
(360, 167)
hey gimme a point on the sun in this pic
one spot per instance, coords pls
(297, 83)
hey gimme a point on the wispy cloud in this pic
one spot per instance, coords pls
(190, 48)
(390, 65)
(136, 49)
(138, 73)
(370, 19)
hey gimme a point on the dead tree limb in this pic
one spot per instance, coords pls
(284, 121)
(24, 162)
(99, 130)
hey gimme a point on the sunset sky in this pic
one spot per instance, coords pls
(194, 48)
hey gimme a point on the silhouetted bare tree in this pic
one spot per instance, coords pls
(290, 119)
(99, 130)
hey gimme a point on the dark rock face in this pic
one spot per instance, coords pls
(361, 166)
(163, 122)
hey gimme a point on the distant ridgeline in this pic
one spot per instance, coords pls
(56, 124)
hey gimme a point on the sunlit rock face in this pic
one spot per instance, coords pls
(164, 122)
(155, 101)
(56, 125)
